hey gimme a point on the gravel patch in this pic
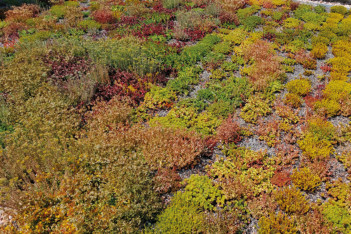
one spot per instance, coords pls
(328, 5)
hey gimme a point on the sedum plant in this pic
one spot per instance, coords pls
(305, 179)
(255, 107)
(291, 200)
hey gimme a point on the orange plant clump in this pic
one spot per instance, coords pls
(22, 13)
(229, 131)
(266, 67)
(166, 147)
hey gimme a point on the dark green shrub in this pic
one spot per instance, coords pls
(221, 108)
(205, 95)
(301, 10)
(233, 90)
(214, 58)
(128, 54)
(338, 9)
(188, 76)
(192, 54)
(313, 17)
(246, 12)
(251, 22)
(320, 9)
(198, 105)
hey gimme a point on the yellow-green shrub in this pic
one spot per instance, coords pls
(291, 200)
(291, 23)
(159, 97)
(58, 10)
(181, 216)
(341, 66)
(345, 26)
(320, 39)
(319, 51)
(305, 179)
(342, 76)
(255, 107)
(317, 142)
(223, 47)
(236, 36)
(345, 158)
(337, 90)
(334, 18)
(339, 191)
(299, 87)
(188, 118)
(293, 100)
(23, 76)
(200, 190)
(338, 215)
(321, 128)
(327, 107)
(237, 175)
(311, 26)
(278, 2)
(277, 223)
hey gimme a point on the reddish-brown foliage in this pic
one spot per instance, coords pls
(210, 144)
(22, 13)
(302, 55)
(195, 34)
(231, 6)
(320, 168)
(287, 153)
(164, 147)
(124, 84)
(130, 20)
(306, 59)
(229, 131)
(11, 30)
(281, 178)
(226, 17)
(159, 8)
(268, 4)
(294, 5)
(63, 68)
(147, 30)
(167, 180)
(269, 36)
(311, 100)
(269, 132)
(262, 205)
(314, 222)
(104, 16)
(326, 68)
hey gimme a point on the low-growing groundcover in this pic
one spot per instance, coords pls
(175, 116)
